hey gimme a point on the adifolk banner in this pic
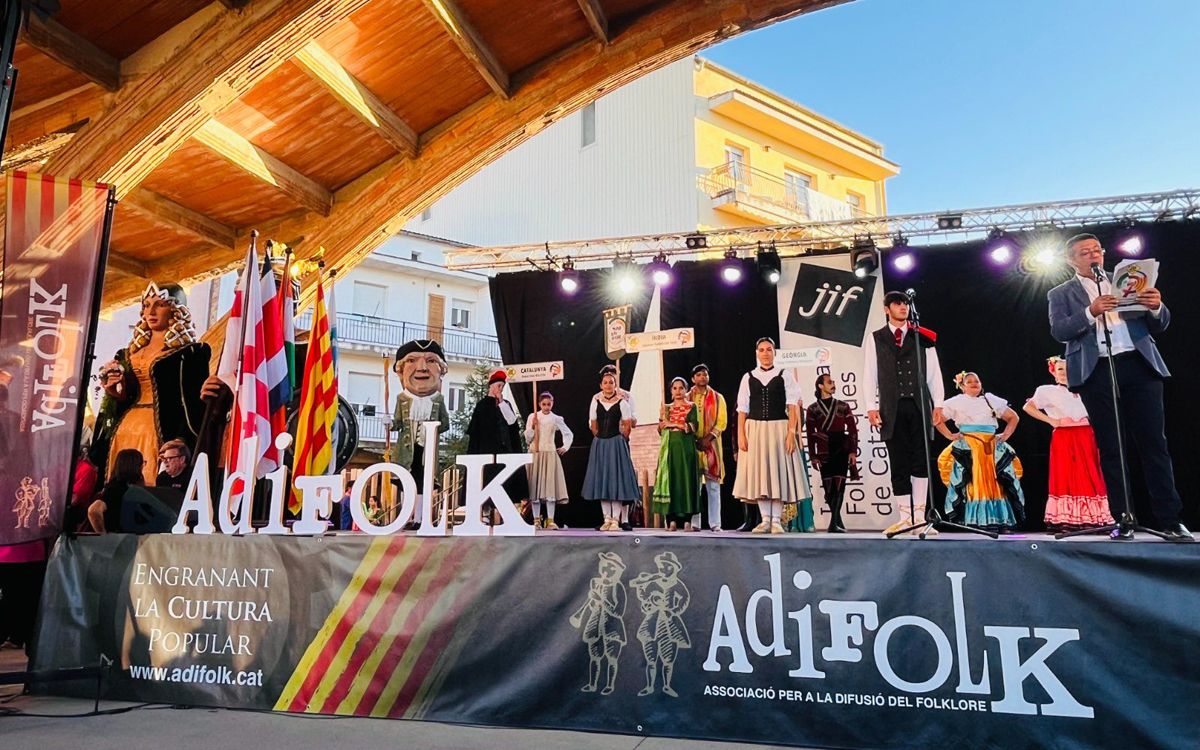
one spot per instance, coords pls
(811, 642)
(823, 305)
(52, 245)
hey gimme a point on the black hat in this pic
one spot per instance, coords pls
(892, 298)
(700, 367)
(420, 345)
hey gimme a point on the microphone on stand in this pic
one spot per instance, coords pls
(911, 293)
(1097, 272)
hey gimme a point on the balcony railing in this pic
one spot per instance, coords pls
(738, 186)
(373, 429)
(390, 334)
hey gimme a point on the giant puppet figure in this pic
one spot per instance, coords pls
(421, 366)
(152, 387)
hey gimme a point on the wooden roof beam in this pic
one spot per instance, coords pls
(314, 60)
(220, 61)
(244, 155)
(122, 263)
(164, 211)
(65, 46)
(596, 18)
(451, 16)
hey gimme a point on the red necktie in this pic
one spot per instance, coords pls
(899, 335)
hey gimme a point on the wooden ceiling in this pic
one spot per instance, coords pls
(318, 122)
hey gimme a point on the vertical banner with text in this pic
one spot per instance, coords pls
(823, 304)
(52, 245)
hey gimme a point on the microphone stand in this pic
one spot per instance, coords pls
(932, 517)
(1128, 521)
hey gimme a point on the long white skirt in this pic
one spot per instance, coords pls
(766, 471)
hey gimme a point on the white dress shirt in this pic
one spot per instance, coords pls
(933, 371)
(1121, 342)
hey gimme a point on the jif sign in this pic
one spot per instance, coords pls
(830, 304)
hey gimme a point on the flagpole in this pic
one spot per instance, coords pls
(89, 347)
(237, 379)
(387, 500)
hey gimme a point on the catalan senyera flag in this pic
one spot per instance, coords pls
(318, 401)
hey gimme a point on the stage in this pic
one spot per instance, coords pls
(802, 639)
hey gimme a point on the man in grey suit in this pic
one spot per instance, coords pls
(1078, 310)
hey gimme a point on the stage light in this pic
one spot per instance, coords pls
(768, 263)
(1129, 240)
(696, 242)
(1131, 246)
(660, 270)
(1043, 254)
(950, 221)
(864, 257)
(568, 278)
(731, 267)
(903, 259)
(626, 277)
(999, 246)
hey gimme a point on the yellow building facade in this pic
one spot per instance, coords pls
(764, 159)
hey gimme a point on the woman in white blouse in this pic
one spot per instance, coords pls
(1078, 497)
(547, 483)
(980, 469)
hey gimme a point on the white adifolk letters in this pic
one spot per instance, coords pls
(317, 495)
(850, 622)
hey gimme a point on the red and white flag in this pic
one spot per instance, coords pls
(244, 368)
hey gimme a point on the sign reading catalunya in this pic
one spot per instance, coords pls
(534, 371)
(830, 304)
(319, 493)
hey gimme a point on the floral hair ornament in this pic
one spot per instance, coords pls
(1052, 362)
(960, 379)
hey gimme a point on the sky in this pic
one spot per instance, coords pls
(996, 103)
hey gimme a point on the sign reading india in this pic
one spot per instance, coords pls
(535, 371)
(656, 341)
(813, 356)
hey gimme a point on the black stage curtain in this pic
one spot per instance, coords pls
(728, 320)
(537, 322)
(988, 319)
(995, 322)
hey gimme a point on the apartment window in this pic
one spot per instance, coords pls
(735, 157)
(458, 397)
(460, 313)
(365, 389)
(368, 299)
(796, 185)
(587, 125)
(855, 200)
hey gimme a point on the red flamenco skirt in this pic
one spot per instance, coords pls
(1078, 497)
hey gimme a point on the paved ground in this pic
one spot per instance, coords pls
(160, 727)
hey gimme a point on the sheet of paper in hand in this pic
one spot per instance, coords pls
(1130, 277)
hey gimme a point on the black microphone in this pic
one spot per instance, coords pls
(1097, 272)
(911, 293)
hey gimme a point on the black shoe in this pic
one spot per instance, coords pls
(1177, 532)
(1124, 532)
(626, 526)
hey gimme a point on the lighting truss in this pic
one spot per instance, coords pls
(814, 238)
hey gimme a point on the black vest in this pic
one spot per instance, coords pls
(897, 374)
(608, 421)
(767, 402)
